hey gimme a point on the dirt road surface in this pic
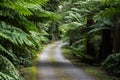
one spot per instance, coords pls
(52, 65)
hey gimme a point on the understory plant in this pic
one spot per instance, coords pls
(112, 64)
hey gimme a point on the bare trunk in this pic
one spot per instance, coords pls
(89, 45)
(106, 45)
(116, 44)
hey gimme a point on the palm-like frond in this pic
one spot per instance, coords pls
(5, 76)
(111, 2)
(8, 71)
(3, 49)
(88, 7)
(110, 12)
(14, 35)
(73, 16)
(41, 15)
(109, 8)
(12, 17)
(70, 26)
(22, 6)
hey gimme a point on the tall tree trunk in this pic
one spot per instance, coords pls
(106, 44)
(89, 45)
(116, 44)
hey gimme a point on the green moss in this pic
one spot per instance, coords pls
(96, 72)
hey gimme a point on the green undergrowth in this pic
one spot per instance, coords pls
(96, 72)
(29, 73)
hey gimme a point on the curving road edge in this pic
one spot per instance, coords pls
(52, 65)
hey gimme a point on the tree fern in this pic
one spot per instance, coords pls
(72, 25)
(22, 6)
(110, 12)
(101, 24)
(5, 77)
(111, 2)
(88, 7)
(41, 15)
(12, 17)
(73, 15)
(3, 49)
(19, 35)
(14, 35)
(8, 70)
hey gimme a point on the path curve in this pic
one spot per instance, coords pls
(52, 65)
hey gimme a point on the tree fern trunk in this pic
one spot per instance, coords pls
(106, 44)
(116, 43)
(89, 45)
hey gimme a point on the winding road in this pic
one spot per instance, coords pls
(52, 65)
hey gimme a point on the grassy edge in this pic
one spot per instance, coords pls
(96, 72)
(30, 73)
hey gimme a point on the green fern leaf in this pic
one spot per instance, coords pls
(14, 35)
(5, 77)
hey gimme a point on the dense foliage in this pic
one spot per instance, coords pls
(111, 64)
(8, 71)
(22, 33)
(53, 30)
(92, 29)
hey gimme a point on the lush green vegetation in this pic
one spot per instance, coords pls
(97, 72)
(22, 32)
(29, 73)
(92, 28)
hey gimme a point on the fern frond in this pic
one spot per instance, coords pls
(6, 52)
(5, 77)
(40, 15)
(3, 49)
(40, 2)
(98, 29)
(110, 12)
(22, 6)
(111, 3)
(14, 18)
(8, 69)
(69, 26)
(73, 15)
(14, 35)
(101, 24)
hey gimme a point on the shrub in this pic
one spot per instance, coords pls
(79, 53)
(29, 73)
(112, 64)
(7, 70)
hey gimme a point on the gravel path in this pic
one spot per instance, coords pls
(52, 65)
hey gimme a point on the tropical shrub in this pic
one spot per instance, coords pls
(112, 64)
(20, 34)
(7, 70)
